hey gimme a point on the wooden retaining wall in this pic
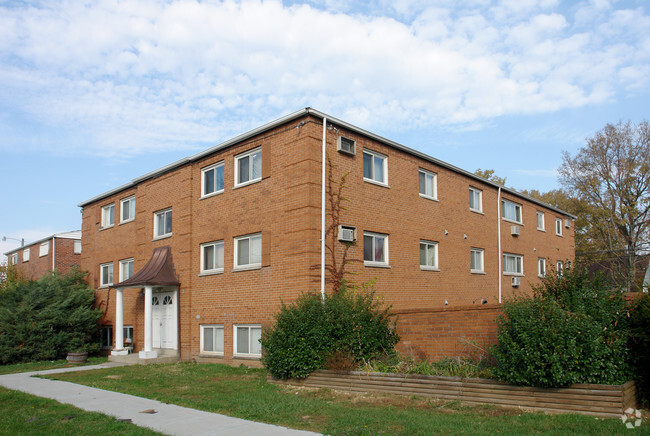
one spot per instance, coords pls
(587, 399)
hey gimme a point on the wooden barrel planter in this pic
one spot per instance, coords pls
(77, 357)
(586, 399)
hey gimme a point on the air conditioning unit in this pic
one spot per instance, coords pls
(347, 233)
(516, 281)
(567, 223)
(346, 145)
(515, 230)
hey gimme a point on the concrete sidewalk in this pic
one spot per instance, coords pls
(168, 419)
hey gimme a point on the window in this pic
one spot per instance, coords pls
(559, 267)
(247, 340)
(76, 249)
(106, 274)
(541, 267)
(213, 180)
(126, 269)
(428, 182)
(558, 226)
(428, 255)
(106, 337)
(513, 264)
(44, 249)
(108, 216)
(248, 167)
(14, 258)
(127, 331)
(540, 221)
(212, 339)
(374, 167)
(248, 251)
(212, 257)
(475, 200)
(162, 224)
(476, 260)
(127, 206)
(375, 249)
(511, 211)
(26, 252)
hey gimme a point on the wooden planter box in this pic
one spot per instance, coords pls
(586, 399)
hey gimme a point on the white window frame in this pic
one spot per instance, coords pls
(216, 269)
(558, 226)
(26, 253)
(374, 262)
(124, 263)
(106, 336)
(559, 268)
(517, 208)
(478, 195)
(108, 216)
(217, 339)
(541, 267)
(430, 182)
(130, 202)
(44, 249)
(156, 230)
(519, 264)
(541, 226)
(429, 245)
(250, 264)
(127, 332)
(14, 258)
(248, 155)
(384, 166)
(76, 246)
(213, 168)
(109, 268)
(250, 341)
(479, 253)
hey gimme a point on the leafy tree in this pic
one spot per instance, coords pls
(610, 177)
(9, 274)
(489, 175)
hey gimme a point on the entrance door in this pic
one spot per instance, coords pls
(163, 317)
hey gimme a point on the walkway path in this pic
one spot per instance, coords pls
(168, 418)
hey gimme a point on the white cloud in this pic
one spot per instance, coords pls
(126, 78)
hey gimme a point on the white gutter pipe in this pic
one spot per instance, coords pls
(53, 253)
(322, 217)
(499, 236)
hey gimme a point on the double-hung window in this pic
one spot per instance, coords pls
(558, 226)
(248, 167)
(428, 184)
(375, 249)
(513, 264)
(428, 255)
(212, 339)
(76, 246)
(540, 221)
(162, 223)
(212, 179)
(127, 206)
(108, 215)
(559, 268)
(374, 167)
(44, 249)
(247, 340)
(212, 257)
(511, 211)
(541, 267)
(106, 337)
(475, 200)
(248, 251)
(126, 269)
(14, 258)
(476, 260)
(106, 274)
(26, 253)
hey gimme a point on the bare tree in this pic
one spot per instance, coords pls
(610, 177)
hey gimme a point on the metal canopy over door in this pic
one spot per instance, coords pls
(163, 317)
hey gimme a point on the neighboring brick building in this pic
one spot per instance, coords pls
(247, 228)
(58, 252)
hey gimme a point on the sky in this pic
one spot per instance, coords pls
(96, 93)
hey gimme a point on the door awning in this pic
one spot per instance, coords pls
(159, 271)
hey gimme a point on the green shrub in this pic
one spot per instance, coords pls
(571, 330)
(640, 345)
(310, 331)
(45, 319)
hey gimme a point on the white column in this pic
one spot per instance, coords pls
(148, 352)
(119, 325)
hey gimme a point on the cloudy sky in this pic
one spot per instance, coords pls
(96, 93)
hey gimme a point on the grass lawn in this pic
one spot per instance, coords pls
(47, 364)
(244, 393)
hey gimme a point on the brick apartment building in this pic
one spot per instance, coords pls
(58, 252)
(195, 258)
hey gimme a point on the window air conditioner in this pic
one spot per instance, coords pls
(346, 145)
(347, 233)
(567, 223)
(514, 230)
(516, 281)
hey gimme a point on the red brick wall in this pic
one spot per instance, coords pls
(63, 251)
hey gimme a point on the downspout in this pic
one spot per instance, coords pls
(322, 216)
(53, 253)
(499, 245)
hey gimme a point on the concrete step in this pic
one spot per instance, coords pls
(164, 356)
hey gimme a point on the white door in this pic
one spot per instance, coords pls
(163, 318)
